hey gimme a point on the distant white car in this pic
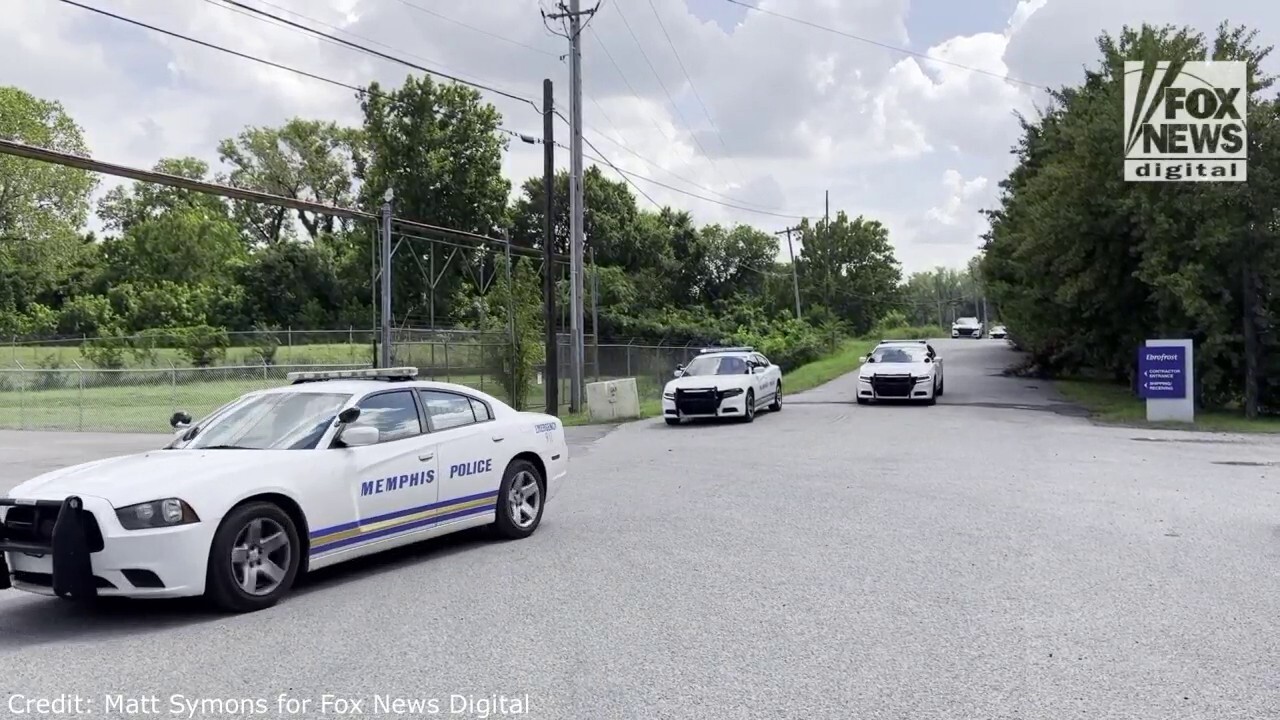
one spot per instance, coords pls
(999, 332)
(723, 382)
(901, 370)
(332, 467)
(966, 327)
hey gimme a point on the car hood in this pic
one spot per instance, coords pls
(706, 381)
(872, 369)
(130, 479)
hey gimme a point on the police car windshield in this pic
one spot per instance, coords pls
(899, 354)
(716, 365)
(274, 421)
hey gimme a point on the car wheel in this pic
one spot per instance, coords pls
(254, 558)
(942, 385)
(863, 401)
(776, 405)
(749, 414)
(520, 500)
(673, 421)
(933, 399)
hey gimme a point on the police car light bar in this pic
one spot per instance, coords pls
(398, 373)
(704, 351)
(899, 342)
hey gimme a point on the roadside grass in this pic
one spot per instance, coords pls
(68, 356)
(1116, 404)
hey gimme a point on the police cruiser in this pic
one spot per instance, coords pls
(901, 370)
(723, 382)
(332, 467)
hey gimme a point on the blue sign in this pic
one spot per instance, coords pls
(1162, 373)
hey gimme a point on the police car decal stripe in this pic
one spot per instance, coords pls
(400, 521)
(357, 524)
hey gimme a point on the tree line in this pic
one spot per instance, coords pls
(172, 261)
(1085, 266)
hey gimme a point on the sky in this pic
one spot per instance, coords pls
(748, 117)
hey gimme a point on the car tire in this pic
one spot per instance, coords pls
(933, 400)
(776, 405)
(942, 385)
(520, 483)
(673, 421)
(238, 550)
(749, 409)
(863, 401)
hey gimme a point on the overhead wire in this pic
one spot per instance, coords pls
(268, 63)
(887, 46)
(678, 112)
(692, 87)
(385, 56)
(482, 31)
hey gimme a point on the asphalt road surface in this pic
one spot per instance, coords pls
(993, 556)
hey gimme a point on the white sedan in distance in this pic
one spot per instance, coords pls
(901, 370)
(723, 382)
(332, 467)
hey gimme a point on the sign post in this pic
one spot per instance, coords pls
(1166, 380)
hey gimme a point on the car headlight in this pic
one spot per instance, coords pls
(157, 513)
(924, 378)
(864, 378)
(669, 395)
(732, 392)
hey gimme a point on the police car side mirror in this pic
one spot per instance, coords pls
(679, 370)
(759, 369)
(348, 416)
(360, 435)
(179, 420)
(928, 359)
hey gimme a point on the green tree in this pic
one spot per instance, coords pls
(307, 160)
(42, 205)
(848, 268)
(1084, 265)
(437, 147)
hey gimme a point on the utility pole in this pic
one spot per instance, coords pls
(826, 214)
(385, 357)
(573, 13)
(551, 367)
(795, 277)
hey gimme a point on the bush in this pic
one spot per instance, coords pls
(266, 341)
(202, 344)
(107, 350)
(908, 332)
(788, 344)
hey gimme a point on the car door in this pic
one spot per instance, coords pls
(762, 379)
(394, 482)
(472, 455)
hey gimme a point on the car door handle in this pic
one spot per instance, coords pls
(426, 456)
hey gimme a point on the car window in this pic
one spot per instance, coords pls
(716, 365)
(446, 410)
(481, 410)
(393, 413)
(763, 360)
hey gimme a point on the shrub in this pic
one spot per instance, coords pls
(107, 350)
(266, 341)
(202, 344)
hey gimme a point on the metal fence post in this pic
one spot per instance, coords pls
(80, 399)
(173, 387)
(629, 356)
(22, 396)
(264, 373)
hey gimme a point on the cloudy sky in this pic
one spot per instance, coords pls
(707, 96)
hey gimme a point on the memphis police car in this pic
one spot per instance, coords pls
(901, 370)
(331, 467)
(723, 382)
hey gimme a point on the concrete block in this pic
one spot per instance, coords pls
(613, 400)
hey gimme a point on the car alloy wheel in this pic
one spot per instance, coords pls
(260, 556)
(525, 499)
(749, 413)
(776, 405)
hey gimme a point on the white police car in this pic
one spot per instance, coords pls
(332, 467)
(723, 382)
(901, 370)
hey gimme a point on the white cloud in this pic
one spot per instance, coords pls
(795, 111)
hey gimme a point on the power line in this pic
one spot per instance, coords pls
(877, 43)
(525, 137)
(689, 77)
(392, 58)
(482, 31)
(666, 92)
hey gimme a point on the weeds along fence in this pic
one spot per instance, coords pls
(141, 399)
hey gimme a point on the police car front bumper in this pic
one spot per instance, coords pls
(77, 548)
(708, 403)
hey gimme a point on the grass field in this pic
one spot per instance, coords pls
(68, 356)
(1111, 403)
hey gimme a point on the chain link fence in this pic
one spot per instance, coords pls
(141, 399)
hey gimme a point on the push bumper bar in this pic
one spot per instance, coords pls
(68, 544)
